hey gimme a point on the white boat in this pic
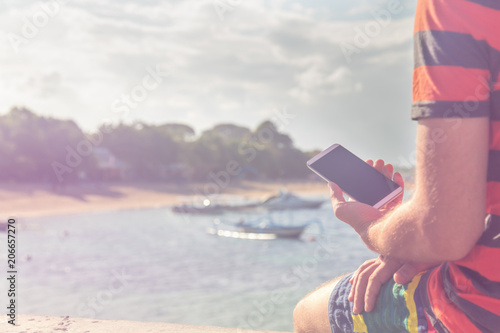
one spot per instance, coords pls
(279, 231)
(286, 200)
(207, 207)
(262, 228)
(281, 201)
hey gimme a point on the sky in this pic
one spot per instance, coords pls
(326, 71)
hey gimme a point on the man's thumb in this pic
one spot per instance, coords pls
(406, 273)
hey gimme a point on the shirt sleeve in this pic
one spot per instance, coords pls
(451, 75)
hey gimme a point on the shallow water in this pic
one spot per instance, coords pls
(154, 265)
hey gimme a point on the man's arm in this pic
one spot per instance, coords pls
(445, 217)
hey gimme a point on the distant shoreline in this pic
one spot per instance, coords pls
(34, 200)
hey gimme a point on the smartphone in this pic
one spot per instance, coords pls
(355, 177)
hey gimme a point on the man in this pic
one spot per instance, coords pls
(444, 242)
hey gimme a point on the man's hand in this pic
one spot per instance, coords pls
(369, 278)
(359, 215)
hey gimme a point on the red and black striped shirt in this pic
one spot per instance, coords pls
(457, 75)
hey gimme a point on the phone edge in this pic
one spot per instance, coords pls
(321, 154)
(391, 196)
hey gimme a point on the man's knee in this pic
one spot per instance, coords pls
(298, 314)
(311, 313)
(305, 317)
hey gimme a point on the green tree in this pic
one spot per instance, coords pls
(150, 150)
(32, 143)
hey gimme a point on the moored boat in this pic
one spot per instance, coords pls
(264, 225)
(286, 200)
(206, 208)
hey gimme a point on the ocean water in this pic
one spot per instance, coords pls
(155, 265)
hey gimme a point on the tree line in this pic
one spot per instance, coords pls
(37, 148)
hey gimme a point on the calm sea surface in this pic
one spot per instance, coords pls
(155, 265)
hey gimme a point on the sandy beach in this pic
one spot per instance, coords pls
(28, 200)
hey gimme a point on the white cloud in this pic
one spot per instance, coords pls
(315, 81)
(343, 82)
(263, 55)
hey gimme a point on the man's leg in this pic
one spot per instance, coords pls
(311, 313)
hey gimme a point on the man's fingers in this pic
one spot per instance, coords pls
(354, 277)
(369, 162)
(405, 274)
(336, 194)
(343, 210)
(372, 291)
(388, 169)
(408, 271)
(360, 289)
(379, 165)
(398, 179)
(353, 282)
(358, 215)
(381, 275)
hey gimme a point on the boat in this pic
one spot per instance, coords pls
(206, 208)
(279, 231)
(281, 201)
(190, 209)
(262, 228)
(286, 200)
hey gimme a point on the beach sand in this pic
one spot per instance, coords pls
(28, 200)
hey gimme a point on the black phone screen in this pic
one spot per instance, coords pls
(354, 176)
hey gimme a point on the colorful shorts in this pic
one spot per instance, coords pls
(399, 309)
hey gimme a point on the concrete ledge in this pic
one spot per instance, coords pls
(46, 324)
